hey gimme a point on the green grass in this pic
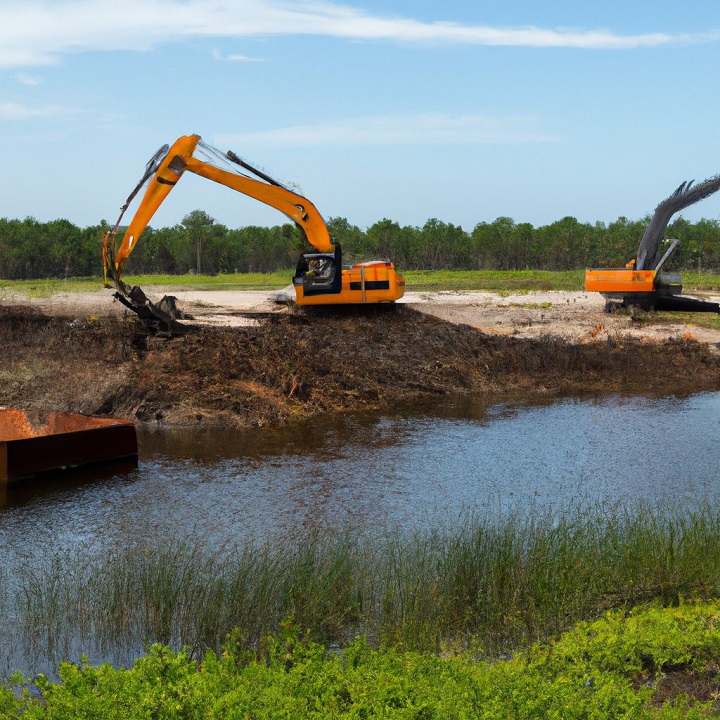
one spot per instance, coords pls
(506, 281)
(701, 281)
(46, 288)
(500, 281)
(499, 583)
(234, 281)
(489, 280)
(696, 319)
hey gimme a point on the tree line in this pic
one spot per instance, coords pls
(30, 249)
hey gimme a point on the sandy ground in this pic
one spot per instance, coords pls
(573, 316)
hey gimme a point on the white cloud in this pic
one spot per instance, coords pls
(16, 111)
(234, 57)
(31, 80)
(40, 32)
(414, 129)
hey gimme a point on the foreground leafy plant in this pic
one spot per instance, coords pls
(611, 668)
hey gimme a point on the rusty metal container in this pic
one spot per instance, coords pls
(58, 440)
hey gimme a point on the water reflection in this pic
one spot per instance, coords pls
(412, 469)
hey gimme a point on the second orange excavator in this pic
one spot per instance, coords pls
(641, 283)
(320, 278)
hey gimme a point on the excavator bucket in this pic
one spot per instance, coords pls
(162, 317)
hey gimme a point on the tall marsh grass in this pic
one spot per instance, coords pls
(495, 583)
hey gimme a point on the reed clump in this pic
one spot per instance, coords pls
(492, 584)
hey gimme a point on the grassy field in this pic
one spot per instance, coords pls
(494, 280)
(239, 281)
(502, 281)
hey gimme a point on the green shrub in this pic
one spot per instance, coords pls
(614, 667)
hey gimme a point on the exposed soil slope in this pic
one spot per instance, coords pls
(288, 365)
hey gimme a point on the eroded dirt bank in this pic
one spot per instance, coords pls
(292, 365)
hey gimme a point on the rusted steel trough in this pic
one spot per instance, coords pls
(60, 440)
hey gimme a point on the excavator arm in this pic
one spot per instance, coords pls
(320, 278)
(686, 194)
(163, 174)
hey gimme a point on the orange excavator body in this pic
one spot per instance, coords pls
(641, 282)
(620, 280)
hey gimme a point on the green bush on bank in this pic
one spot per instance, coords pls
(616, 667)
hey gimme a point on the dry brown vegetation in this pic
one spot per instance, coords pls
(301, 365)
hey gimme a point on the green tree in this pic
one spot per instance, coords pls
(502, 245)
(387, 239)
(705, 246)
(565, 244)
(32, 249)
(64, 248)
(443, 246)
(157, 252)
(351, 237)
(197, 227)
(617, 243)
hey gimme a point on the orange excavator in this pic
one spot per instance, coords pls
(641, 283)
(320, 278)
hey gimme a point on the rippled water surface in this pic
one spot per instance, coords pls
(369, 473)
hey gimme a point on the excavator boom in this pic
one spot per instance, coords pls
(178, 159)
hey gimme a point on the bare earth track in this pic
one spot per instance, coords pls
(252, 361)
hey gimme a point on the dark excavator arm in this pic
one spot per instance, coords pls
(683, 197)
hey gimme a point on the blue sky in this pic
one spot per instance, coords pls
(463, 111)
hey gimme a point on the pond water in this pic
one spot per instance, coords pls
(425, 468)
(409, 470)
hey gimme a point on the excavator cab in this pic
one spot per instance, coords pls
(319, 273)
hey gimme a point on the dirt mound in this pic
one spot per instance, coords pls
(302, 365)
